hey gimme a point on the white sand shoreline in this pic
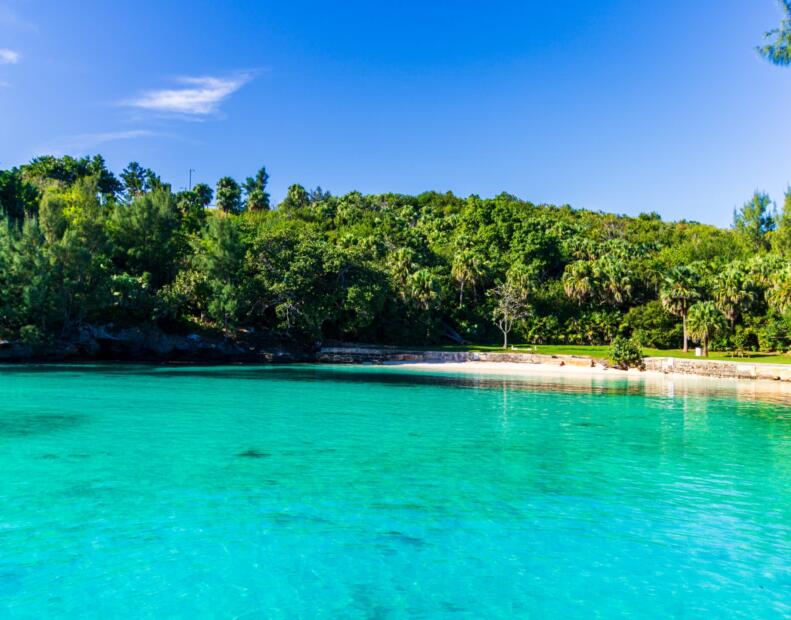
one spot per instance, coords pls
(531, 369)
(654, 382)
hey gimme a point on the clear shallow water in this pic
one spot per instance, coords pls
(328, 492)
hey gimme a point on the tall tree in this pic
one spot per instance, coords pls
(229, 195)
(255, 188)
(220, 258)
(754, 221)
(138, 180)
(192, 207)
(511, 301)
(779, 294)
(781, 236)
(578, 281)
(296, 198)
(678, 293)
(144, 236)
(401, 264)
(466, 270)
(423, 288)
(616, 280)
(64, 171)
(732, 293)
(705, 320)
(18, 198)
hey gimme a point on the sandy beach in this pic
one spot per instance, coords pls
(531, 369)
(650, 382)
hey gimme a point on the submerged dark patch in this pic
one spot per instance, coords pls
(404, 539)
(254, 454)
(15, 425)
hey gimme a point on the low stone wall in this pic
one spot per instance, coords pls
(366, 355)
(719, 368)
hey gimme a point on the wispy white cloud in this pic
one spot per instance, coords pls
(199, 96)
(81, 143)
(8, 57)
(12, 19)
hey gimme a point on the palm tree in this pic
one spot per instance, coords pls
(401, 267)
(678, 292)
(466, 270)
(761, 269)
(578, 281)
(616, 280)
(732, 293)
(779, 295)
(704, 320)
(422, 287)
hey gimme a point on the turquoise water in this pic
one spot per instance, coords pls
(328, 492)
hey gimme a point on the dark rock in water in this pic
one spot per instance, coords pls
(404, 539)
(254, 454)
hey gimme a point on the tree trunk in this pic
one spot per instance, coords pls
(505, 339)
(684, 321)
(706, 346)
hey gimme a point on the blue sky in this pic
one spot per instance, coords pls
(618, 105)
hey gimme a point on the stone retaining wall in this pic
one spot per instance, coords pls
(366, 355)
(719, 368)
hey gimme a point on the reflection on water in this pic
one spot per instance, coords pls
(668, 386)
(326, 492)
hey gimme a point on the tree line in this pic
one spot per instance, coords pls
(81, 245)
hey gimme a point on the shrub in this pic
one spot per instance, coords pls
(773, 333)
(32, 336)
(626, 353)
(652, 326)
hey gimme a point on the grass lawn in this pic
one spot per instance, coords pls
(601, 351)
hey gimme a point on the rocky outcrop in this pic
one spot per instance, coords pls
(104, 342)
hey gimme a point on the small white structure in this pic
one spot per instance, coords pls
(698, 352)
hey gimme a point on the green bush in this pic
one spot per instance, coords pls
(32, 336)
(773, 333)
(626, 353)
(652, 326)
(596, 327)
(540, 330)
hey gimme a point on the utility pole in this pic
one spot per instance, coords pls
(191, 171)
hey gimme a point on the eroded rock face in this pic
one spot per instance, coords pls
(12, 351)
(136, 344)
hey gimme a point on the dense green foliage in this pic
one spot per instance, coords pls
(80, 245)
(777, 48)
(626, 353)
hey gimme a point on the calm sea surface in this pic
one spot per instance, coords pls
(328, 492)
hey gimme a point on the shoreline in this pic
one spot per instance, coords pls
(653, 383)
(555, 376)
(662, 376)
(660, 365)
(133, 346)
(529, 369)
